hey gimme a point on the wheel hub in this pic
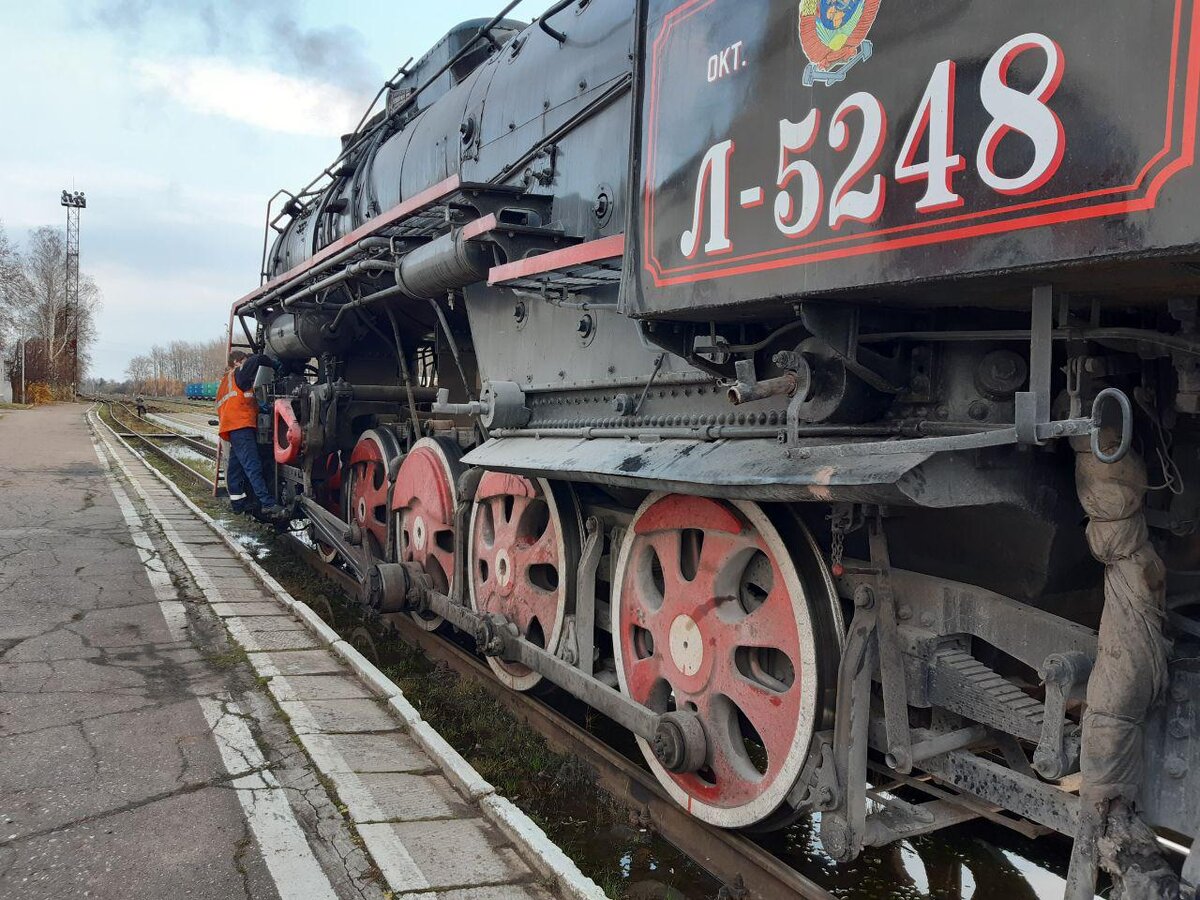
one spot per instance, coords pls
(680, 743)
(687, 645)
(504, 571)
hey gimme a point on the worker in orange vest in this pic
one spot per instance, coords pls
(237, 415)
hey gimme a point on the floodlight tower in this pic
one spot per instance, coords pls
(75, 202)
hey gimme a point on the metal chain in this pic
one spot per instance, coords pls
(836, 549)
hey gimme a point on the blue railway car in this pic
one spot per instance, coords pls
(201, 390)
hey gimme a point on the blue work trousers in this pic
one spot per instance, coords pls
(245, 469)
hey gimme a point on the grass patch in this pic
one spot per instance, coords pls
(229, 658)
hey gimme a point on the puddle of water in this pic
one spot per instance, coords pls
(975, 861)
(256, 545)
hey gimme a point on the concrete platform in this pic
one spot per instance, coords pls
(429, 822)
(113, 783)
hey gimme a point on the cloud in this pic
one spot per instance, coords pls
(255, 96)
(119, 194)
(142, 309)
(235, 27)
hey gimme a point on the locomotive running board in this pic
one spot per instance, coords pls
(424, 215)
(415, 205)
(518, 241)
(574, 270)
(754, 469)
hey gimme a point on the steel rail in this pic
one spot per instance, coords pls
(196, 444)
(727, 855)
(199, 477)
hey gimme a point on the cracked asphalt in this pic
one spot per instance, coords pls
(111, 783)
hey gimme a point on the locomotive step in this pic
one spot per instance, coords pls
(571, 270)
(154, 579)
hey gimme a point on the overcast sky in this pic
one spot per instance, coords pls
(179, 119)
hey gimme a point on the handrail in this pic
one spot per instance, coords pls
(483, 32)
(544, 21)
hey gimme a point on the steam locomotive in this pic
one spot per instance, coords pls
(810, 388)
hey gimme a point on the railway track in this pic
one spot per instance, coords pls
(185, 404)
(196, 444)
(188, 428)
(151, 437)
(729, 856)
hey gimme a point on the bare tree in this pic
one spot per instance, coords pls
(165, 370)
(176, 361)
(10, 282)
(34, 303)
(139, 370)
(213, 357)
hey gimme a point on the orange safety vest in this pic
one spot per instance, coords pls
(235, 408)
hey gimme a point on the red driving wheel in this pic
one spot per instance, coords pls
(424, 502)
(714, 613)
(523, 550)
(366, 491)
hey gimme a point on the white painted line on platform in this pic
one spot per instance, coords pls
(400, 870)
(281, 840)
(284, 847)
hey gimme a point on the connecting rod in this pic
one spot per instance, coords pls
(677, 738)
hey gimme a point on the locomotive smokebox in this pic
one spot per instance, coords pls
(303, 336)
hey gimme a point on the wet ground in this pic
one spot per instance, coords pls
(978, 860)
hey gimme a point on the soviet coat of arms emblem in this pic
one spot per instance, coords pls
(833, 34)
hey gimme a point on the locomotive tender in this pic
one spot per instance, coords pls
(810, 387)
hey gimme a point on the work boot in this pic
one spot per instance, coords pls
(274, 515)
